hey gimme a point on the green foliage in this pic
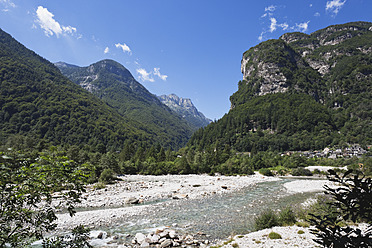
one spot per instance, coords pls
(77, 239)
(107, 176)
(352, 202)
(300, 232)
(116, 86)
(266, 172)
(287, 217)
(300, 171)
(274, 235)
(317, 110)
(38, 102)
(99, 185)
(27, 187)
(266, 219)
(235, 245)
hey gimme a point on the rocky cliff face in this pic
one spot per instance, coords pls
(185, 108)
(300, 92)
(307, 63)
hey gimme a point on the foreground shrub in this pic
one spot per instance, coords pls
(352, 202)
(274, 235)
(265, 220)
(287, 217)
(302, 224)
(28, 185)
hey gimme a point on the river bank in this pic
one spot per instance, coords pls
(104, 206)
(183, 202)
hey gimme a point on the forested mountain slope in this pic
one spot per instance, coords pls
(37, 101)
(300, 92)
(116, 86)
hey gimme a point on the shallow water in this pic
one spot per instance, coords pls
(219, 216)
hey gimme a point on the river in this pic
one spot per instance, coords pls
(219, 216)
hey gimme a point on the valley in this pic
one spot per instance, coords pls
(95, 140)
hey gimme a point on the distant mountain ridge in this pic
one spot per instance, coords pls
(115, 85)
(300, 92)
(185, 108)
(39, 103)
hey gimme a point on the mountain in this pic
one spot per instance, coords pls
(185, 108)
(38, 102)
(115, 85)
(300, 92)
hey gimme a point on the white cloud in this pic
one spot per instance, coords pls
(51, 26)
(124, 47)
(270, 8)
(317, 14)
(46, 21)
(260, 38)
(107, 50)
(157, 73)
(7, 5)
(302, 27)
(69, 29)
(284, 26)
(144, 75)
(334, 6)
(273, 24)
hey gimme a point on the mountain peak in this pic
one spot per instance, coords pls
(110, 66)
(185, 108)
(61, 64)
(115, 85)
(302, 63)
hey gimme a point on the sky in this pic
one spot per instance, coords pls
(190, 48)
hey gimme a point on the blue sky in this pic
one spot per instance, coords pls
(191, 48)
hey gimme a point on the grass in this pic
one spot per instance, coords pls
(302, 224)
(274, 235)
(99, 185)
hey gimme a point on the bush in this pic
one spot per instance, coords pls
(266, 219)
(274, 235)
(302, 224)
(352, 202)
(300, 232)
(282, 172)
(287, 217)
(266, 172)
(107, 176)
(301, 172)
(99, 185)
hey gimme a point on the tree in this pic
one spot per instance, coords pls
(353, 202)
(27, 189)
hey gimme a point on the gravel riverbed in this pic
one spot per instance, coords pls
(157, 194)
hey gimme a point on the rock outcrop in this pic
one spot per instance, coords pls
(185, 108)
(296, 60)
